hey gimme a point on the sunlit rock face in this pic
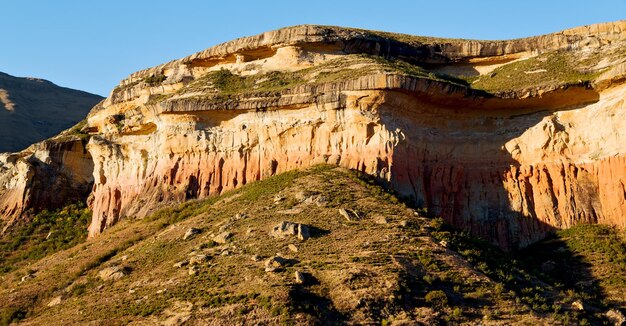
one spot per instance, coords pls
(508, 164)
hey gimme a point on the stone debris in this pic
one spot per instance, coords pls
(349, 214)
(275, 264)
(380, 220)
(55, 302)
(223, 237)
(27, 277)
(111, 273)
(193, 270)
(181, 263)
(198, 259)
(292, 247)
(191, 233)
(255, 258)
(285, 229)
(299, 277)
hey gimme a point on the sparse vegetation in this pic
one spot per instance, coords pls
(402, 270)
(45, 233)
(549, 69)
(155, 79)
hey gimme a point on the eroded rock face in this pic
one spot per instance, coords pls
(44, 176)
(508, 167)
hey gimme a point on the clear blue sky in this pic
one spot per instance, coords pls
(92, 45)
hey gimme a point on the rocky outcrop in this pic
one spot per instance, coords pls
(44, 176)
(32, 110)
(509, 166)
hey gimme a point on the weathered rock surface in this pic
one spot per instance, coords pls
(508, 166)
(45, 176)
(111, 273)
(286, 229)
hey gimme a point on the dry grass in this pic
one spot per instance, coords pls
(360, 271)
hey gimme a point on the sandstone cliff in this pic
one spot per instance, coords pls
(32, 110)
(506, 139)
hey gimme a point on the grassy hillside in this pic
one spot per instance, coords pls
(384, 264)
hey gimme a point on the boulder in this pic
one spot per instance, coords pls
(223, 237)
(111, 273)
(198, 259)
(193, 270)
(299, 277)
(275, 264)
(181, 263)
(285, 229)
(191, 233)
(55, 302)
(27, 277)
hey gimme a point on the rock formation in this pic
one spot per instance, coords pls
(32, 110)
(506, 139)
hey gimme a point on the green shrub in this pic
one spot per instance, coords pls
(154, 80)
(437, 299)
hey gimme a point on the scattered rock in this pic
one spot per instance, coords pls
(302, 195)
(286, 228)
(181, 263)
(404, 223)
(225, 253)
(300, 278)
(345, 214)
(303, 232)
(55, 302)
(193, 270)
(616, 317)
(111, 273)
(255, 258)
(198, 259)
(278, 198)
(131, 291)
(222, 237)
(292, 247)
(249, 231)
(349, 214)
(275, 263)
(124, 258)
(27, 277)
(240, 216)
(380, 220)
(444, 243)
(191, 233)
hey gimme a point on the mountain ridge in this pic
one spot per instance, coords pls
(34, 109)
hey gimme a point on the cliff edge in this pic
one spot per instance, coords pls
(509, 140)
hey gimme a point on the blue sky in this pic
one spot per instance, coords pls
(92, 45)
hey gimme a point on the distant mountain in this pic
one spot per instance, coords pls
(35, 109)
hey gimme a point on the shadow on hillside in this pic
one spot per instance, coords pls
(456, 162)
(554, 263)
(304, 301)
